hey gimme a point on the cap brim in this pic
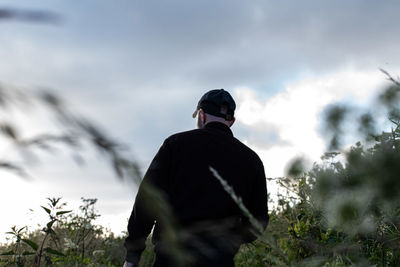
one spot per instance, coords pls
(195, 113)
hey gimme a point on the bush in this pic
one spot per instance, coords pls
(68, 239)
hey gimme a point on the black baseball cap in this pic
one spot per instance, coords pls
(217, 102)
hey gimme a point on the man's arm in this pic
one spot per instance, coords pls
(143, 214)
(257, 205)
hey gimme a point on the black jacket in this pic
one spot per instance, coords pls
(180, 173)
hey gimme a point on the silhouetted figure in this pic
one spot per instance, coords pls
(210, 226)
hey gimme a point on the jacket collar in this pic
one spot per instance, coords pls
(218, 127)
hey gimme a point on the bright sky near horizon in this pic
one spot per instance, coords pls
(138, 68)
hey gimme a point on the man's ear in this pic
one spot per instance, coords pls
(202, 115)
(232, 122)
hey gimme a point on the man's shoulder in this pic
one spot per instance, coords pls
(184, 134)
(182, 137)
(190, 135)
(251, 153)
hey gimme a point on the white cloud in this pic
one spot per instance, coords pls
(293, 116)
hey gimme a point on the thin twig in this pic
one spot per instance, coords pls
(238, 201)
(390, 78)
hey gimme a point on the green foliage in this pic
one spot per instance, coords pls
(346, 210)
(68, 239)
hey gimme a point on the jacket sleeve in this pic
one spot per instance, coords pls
(257, 204)
(144, 213)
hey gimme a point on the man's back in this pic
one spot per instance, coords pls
(195, 194)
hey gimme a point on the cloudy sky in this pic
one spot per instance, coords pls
(138, 68)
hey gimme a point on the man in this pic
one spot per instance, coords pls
(192, 210)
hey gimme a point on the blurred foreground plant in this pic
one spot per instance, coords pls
(346, 210)
(74, 131)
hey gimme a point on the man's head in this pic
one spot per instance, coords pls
(215, 105)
